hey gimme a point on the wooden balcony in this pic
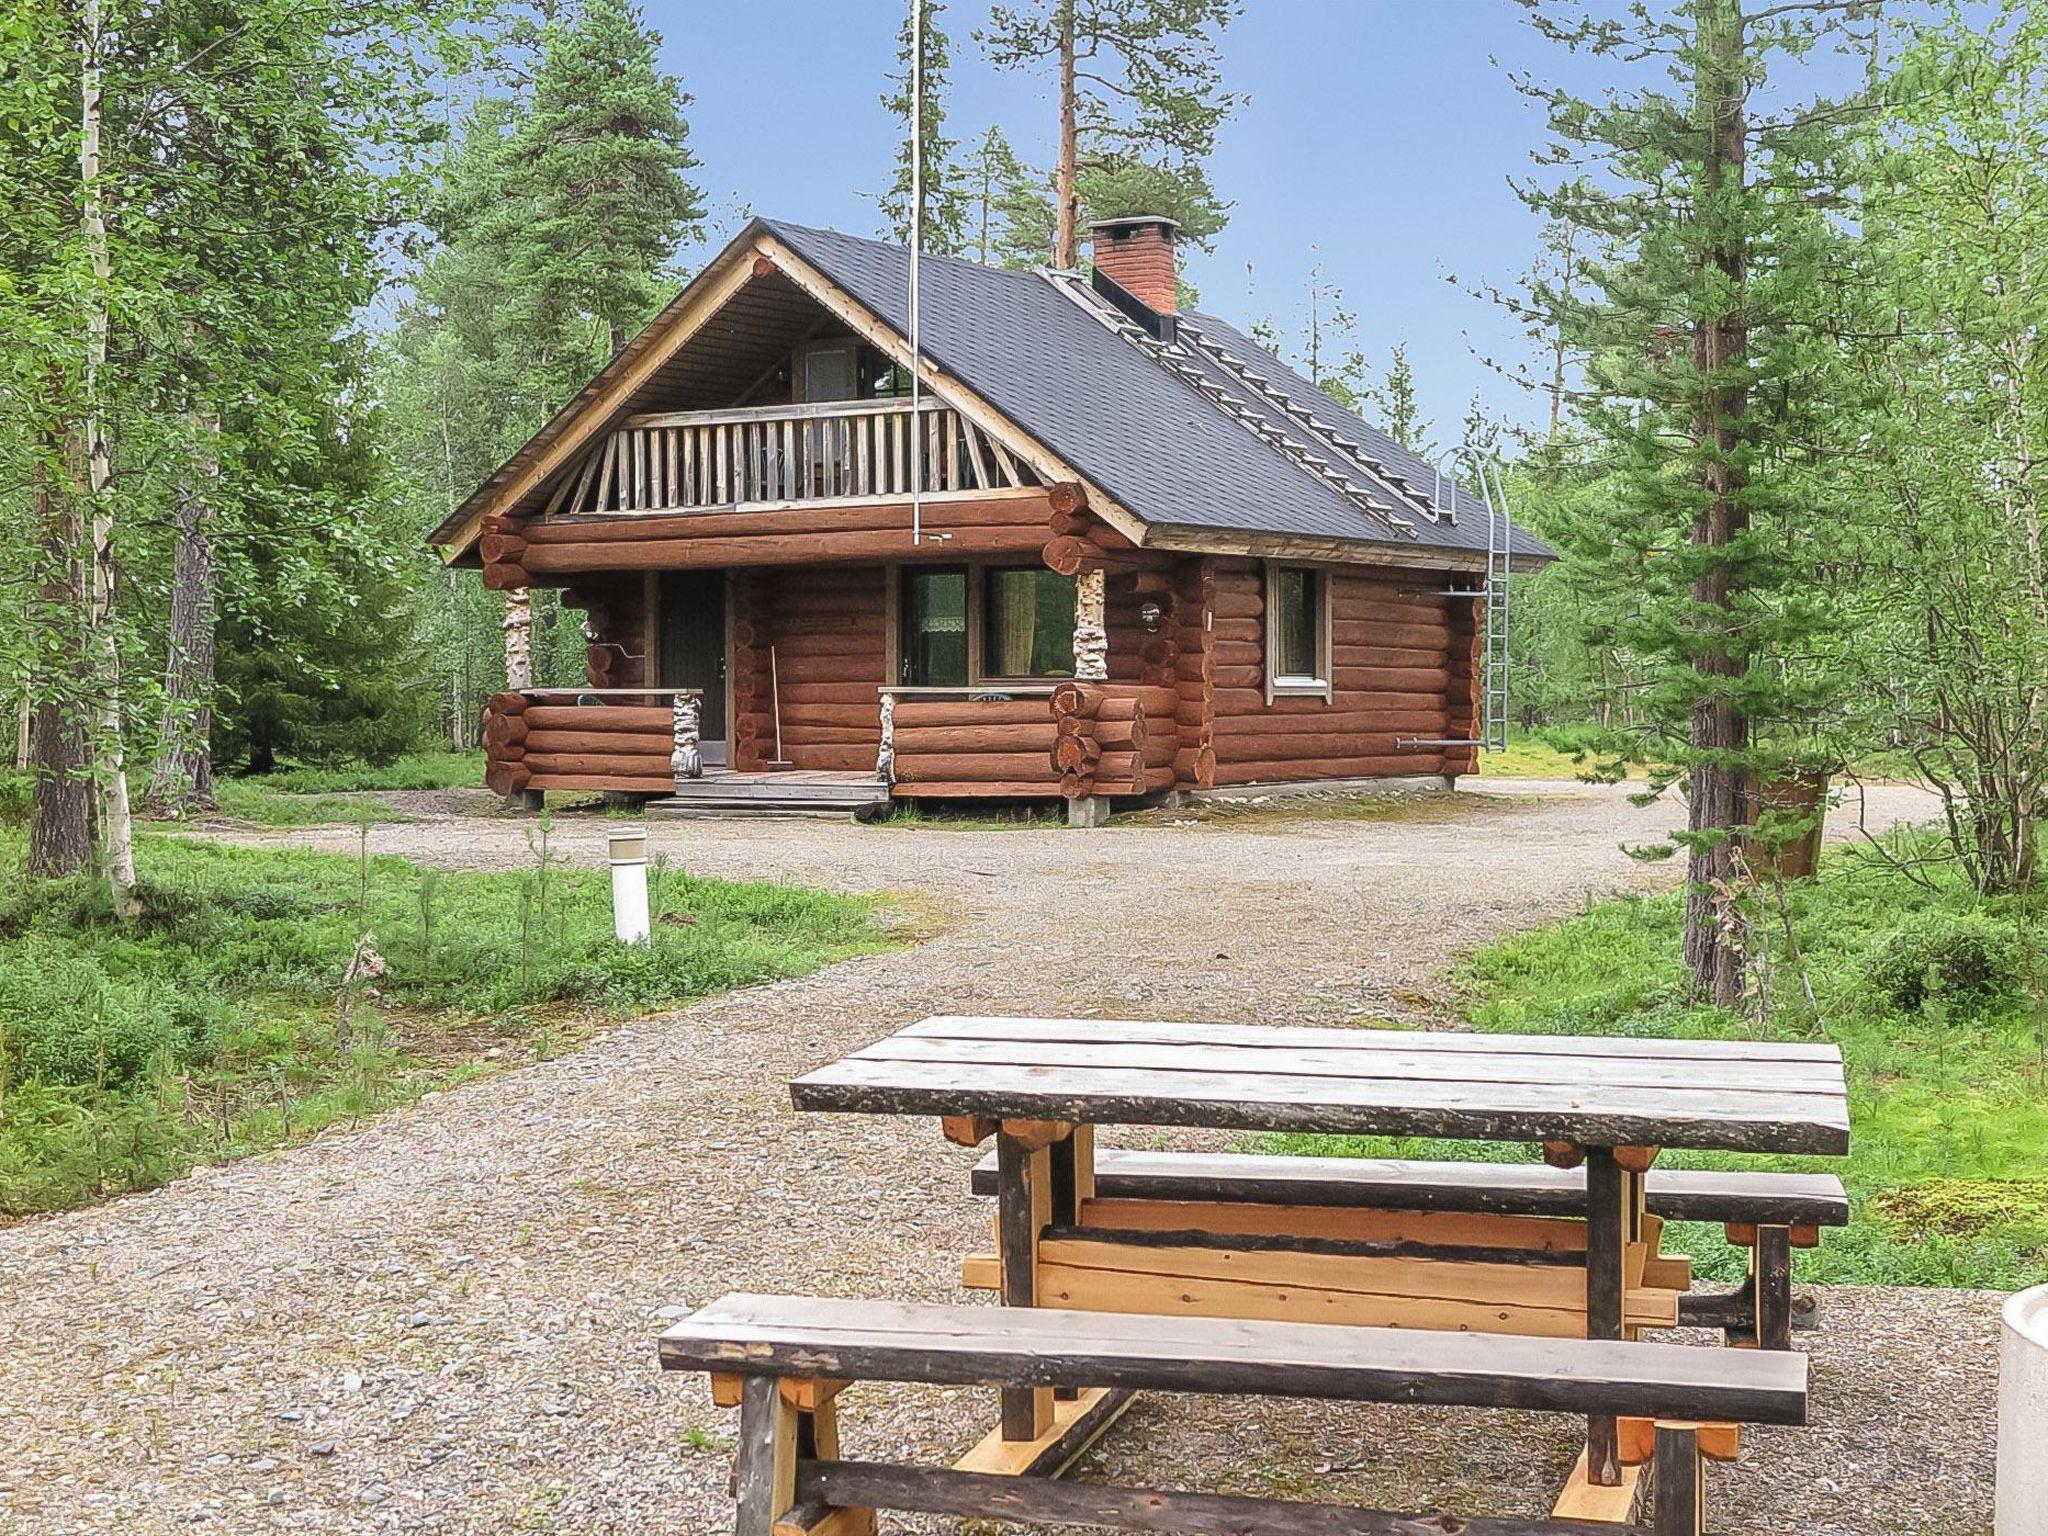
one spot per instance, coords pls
(842, 450)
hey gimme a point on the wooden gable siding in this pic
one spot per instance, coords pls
(1401, 666)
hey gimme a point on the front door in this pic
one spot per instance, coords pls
(693, 647)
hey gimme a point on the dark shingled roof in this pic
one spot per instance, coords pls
(1153, 440)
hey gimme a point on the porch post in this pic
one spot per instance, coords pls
(686, 763)
(885, 759)
(1091, 640)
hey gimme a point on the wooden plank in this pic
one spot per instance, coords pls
(1673, 1117)
(1403, 1184)
(1077, 1423)
(1029, 1346)
(1681, 1497)
(1387, 1228)
(1044, 1501)
(767, 1457)
(1583, 1499)
(1770, 1268)
(1141, 1031)
(1606, 1241)
(1023, 1206)
(1305, 1061)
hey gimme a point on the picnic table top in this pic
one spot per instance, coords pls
(1734, 1095)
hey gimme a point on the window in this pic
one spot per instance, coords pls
(1297, 631)
(1027, 623)
(960, 626)
(933, 639)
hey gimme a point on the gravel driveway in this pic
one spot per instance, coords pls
(444, 1320)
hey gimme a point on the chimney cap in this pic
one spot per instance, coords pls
(1135, 221)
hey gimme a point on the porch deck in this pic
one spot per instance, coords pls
(785, 792)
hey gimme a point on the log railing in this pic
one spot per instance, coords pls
(628, 740)
(834, 450)
(1069, 739)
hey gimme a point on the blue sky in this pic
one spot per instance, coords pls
(1379, 139)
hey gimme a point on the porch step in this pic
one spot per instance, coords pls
(772, 794)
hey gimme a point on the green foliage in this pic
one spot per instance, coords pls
(1937, 1095)
(1149, 97)
(219, 1021)
(1009, 206)
(1966, 961)
(945, 188)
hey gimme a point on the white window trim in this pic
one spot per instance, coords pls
(1290, 687)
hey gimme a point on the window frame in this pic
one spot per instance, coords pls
(978, 675)
(1281, 685)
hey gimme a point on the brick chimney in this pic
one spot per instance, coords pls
(1137, 255)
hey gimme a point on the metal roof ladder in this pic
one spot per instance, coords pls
(1493, 595)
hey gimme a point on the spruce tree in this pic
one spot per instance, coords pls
(1010, 209)
(1705, 316)
(946, 197)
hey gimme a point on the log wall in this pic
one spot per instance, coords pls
(829, 629)
(616, 608)
(530, 745)
(1401, 666)
(960, 747)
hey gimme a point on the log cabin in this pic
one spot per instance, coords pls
(1098, 549)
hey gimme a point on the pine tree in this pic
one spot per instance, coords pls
(1393, 401)
(1705, 321)
(946, 197)
(599, 193)
(1010, 207)
(1140, 100)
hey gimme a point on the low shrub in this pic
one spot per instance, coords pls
(1965, 960)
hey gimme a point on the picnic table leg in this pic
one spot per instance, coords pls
(1023, 1208)
(1770, 1277)
(1071, 1168)
(1607, 1224)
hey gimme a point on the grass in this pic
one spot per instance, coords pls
(1548, 752)
(1948, 1166)
(312, 796)
(238, 1012)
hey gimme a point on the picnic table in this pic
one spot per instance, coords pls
(1041, 1087)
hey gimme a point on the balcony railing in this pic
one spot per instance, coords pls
(836, 450)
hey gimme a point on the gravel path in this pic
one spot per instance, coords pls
(443, 1321)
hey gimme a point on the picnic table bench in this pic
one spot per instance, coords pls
(784, 1359)
(1040, 1087)
(1768, 1213)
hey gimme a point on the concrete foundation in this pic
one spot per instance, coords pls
(1088, 811)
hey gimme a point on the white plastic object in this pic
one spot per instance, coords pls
(2023, 1415)
(629, 884)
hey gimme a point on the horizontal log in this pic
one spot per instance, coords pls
(973, 767)
(507, 704)
(1016, 789)
(611, 743)
(1066, 497)
(1120, 773)
(506, 778)
(1336, 721)
(1237, 604)
(866, 714)
(803, 690)
(1036, 736)
(640, 765)
(913, 714)
(1195, 766)
(791, 652)
(506, 578)
(827, 759)
(771, 549)
(1283, 747)
(1074, 754)
(873, 517)
(1399, 765)
(1074, 698)
(501, 548)
(501, 731)
(1071, 556)
(591, 782)
(1252, 701)
(1157, 700)
(828, 736)
(599, 717)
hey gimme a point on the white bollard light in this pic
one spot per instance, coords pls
(2023, 1416)
(629, 884)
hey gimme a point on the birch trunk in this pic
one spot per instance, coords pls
(117, 830)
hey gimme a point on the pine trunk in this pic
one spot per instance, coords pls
(1720, 733)
(181, 778)
(1067, 237)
